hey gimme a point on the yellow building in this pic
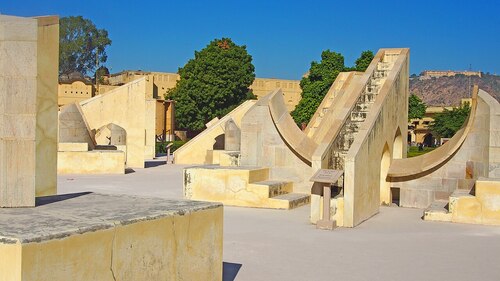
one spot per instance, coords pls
(418, 128)
(163, 81)
(449, 73)
(72, 88)
(165, 120)
(290, 88)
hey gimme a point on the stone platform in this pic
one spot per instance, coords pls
(89, 236)
(243, 186)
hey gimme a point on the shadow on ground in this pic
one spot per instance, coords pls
(230, 270)
(150, 164)
(44, 200)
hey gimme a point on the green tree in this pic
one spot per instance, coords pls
(447, 123)
(319, 80)
(364, 60)
(81, 45)
(212, 84)
(416, 107)
(100, 73)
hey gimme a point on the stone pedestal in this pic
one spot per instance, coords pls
(89, 236)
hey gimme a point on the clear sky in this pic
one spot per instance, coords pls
(283, 37)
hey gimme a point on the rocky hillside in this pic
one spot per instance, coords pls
(449, 90)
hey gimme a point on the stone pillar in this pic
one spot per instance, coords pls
(18, 95)
(46, 106)
(232, 136)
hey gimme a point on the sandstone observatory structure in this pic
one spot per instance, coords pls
(277, 159)
(123, 118)
(360, 130)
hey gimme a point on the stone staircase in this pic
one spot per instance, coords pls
(442, 210)
(326, 104)
(279, 194)
(359, 112)
(241, 186)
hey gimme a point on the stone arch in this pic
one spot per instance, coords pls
(111, 134)
(397, 145)
(385, 187)
(219, 142)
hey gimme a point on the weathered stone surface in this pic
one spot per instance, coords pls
(91, 162)
(91, 236)
(240, 186)
(18, 94)
(232, 136)
(46, 105)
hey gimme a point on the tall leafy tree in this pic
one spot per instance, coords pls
(319, 80)
(364, 60)
(447, 123)
(416, 107)
(81, 45)
(211, 84)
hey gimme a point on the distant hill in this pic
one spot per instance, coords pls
(449, 90)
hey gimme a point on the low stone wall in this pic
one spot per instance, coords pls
(91, 162)
(111, 237)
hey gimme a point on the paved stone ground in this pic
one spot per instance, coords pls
(267, 245)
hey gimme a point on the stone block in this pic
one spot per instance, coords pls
(17, 29)
(73, 146)
(466, 210)
(46, 105)
(495, 138)
(20, 127)
(111, 237)
(91, 162)
(415, 198)
(18, 58)
(494, 170)
(18, 95)
(17, 173)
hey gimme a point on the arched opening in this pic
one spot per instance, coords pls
(219, 142)
(429, 140)
(385, 187)
(397, 153)
(397, 146)
(111, 134)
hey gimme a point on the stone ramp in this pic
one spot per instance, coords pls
(316, 128)
(471, 154)
(410, 168)
(197, 150)
(364, 129)
(297, 141)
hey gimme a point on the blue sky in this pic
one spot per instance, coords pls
(283, 37)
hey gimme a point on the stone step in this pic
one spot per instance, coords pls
(291, 200)
(456, 195)
(271, 188)
(437, 211)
